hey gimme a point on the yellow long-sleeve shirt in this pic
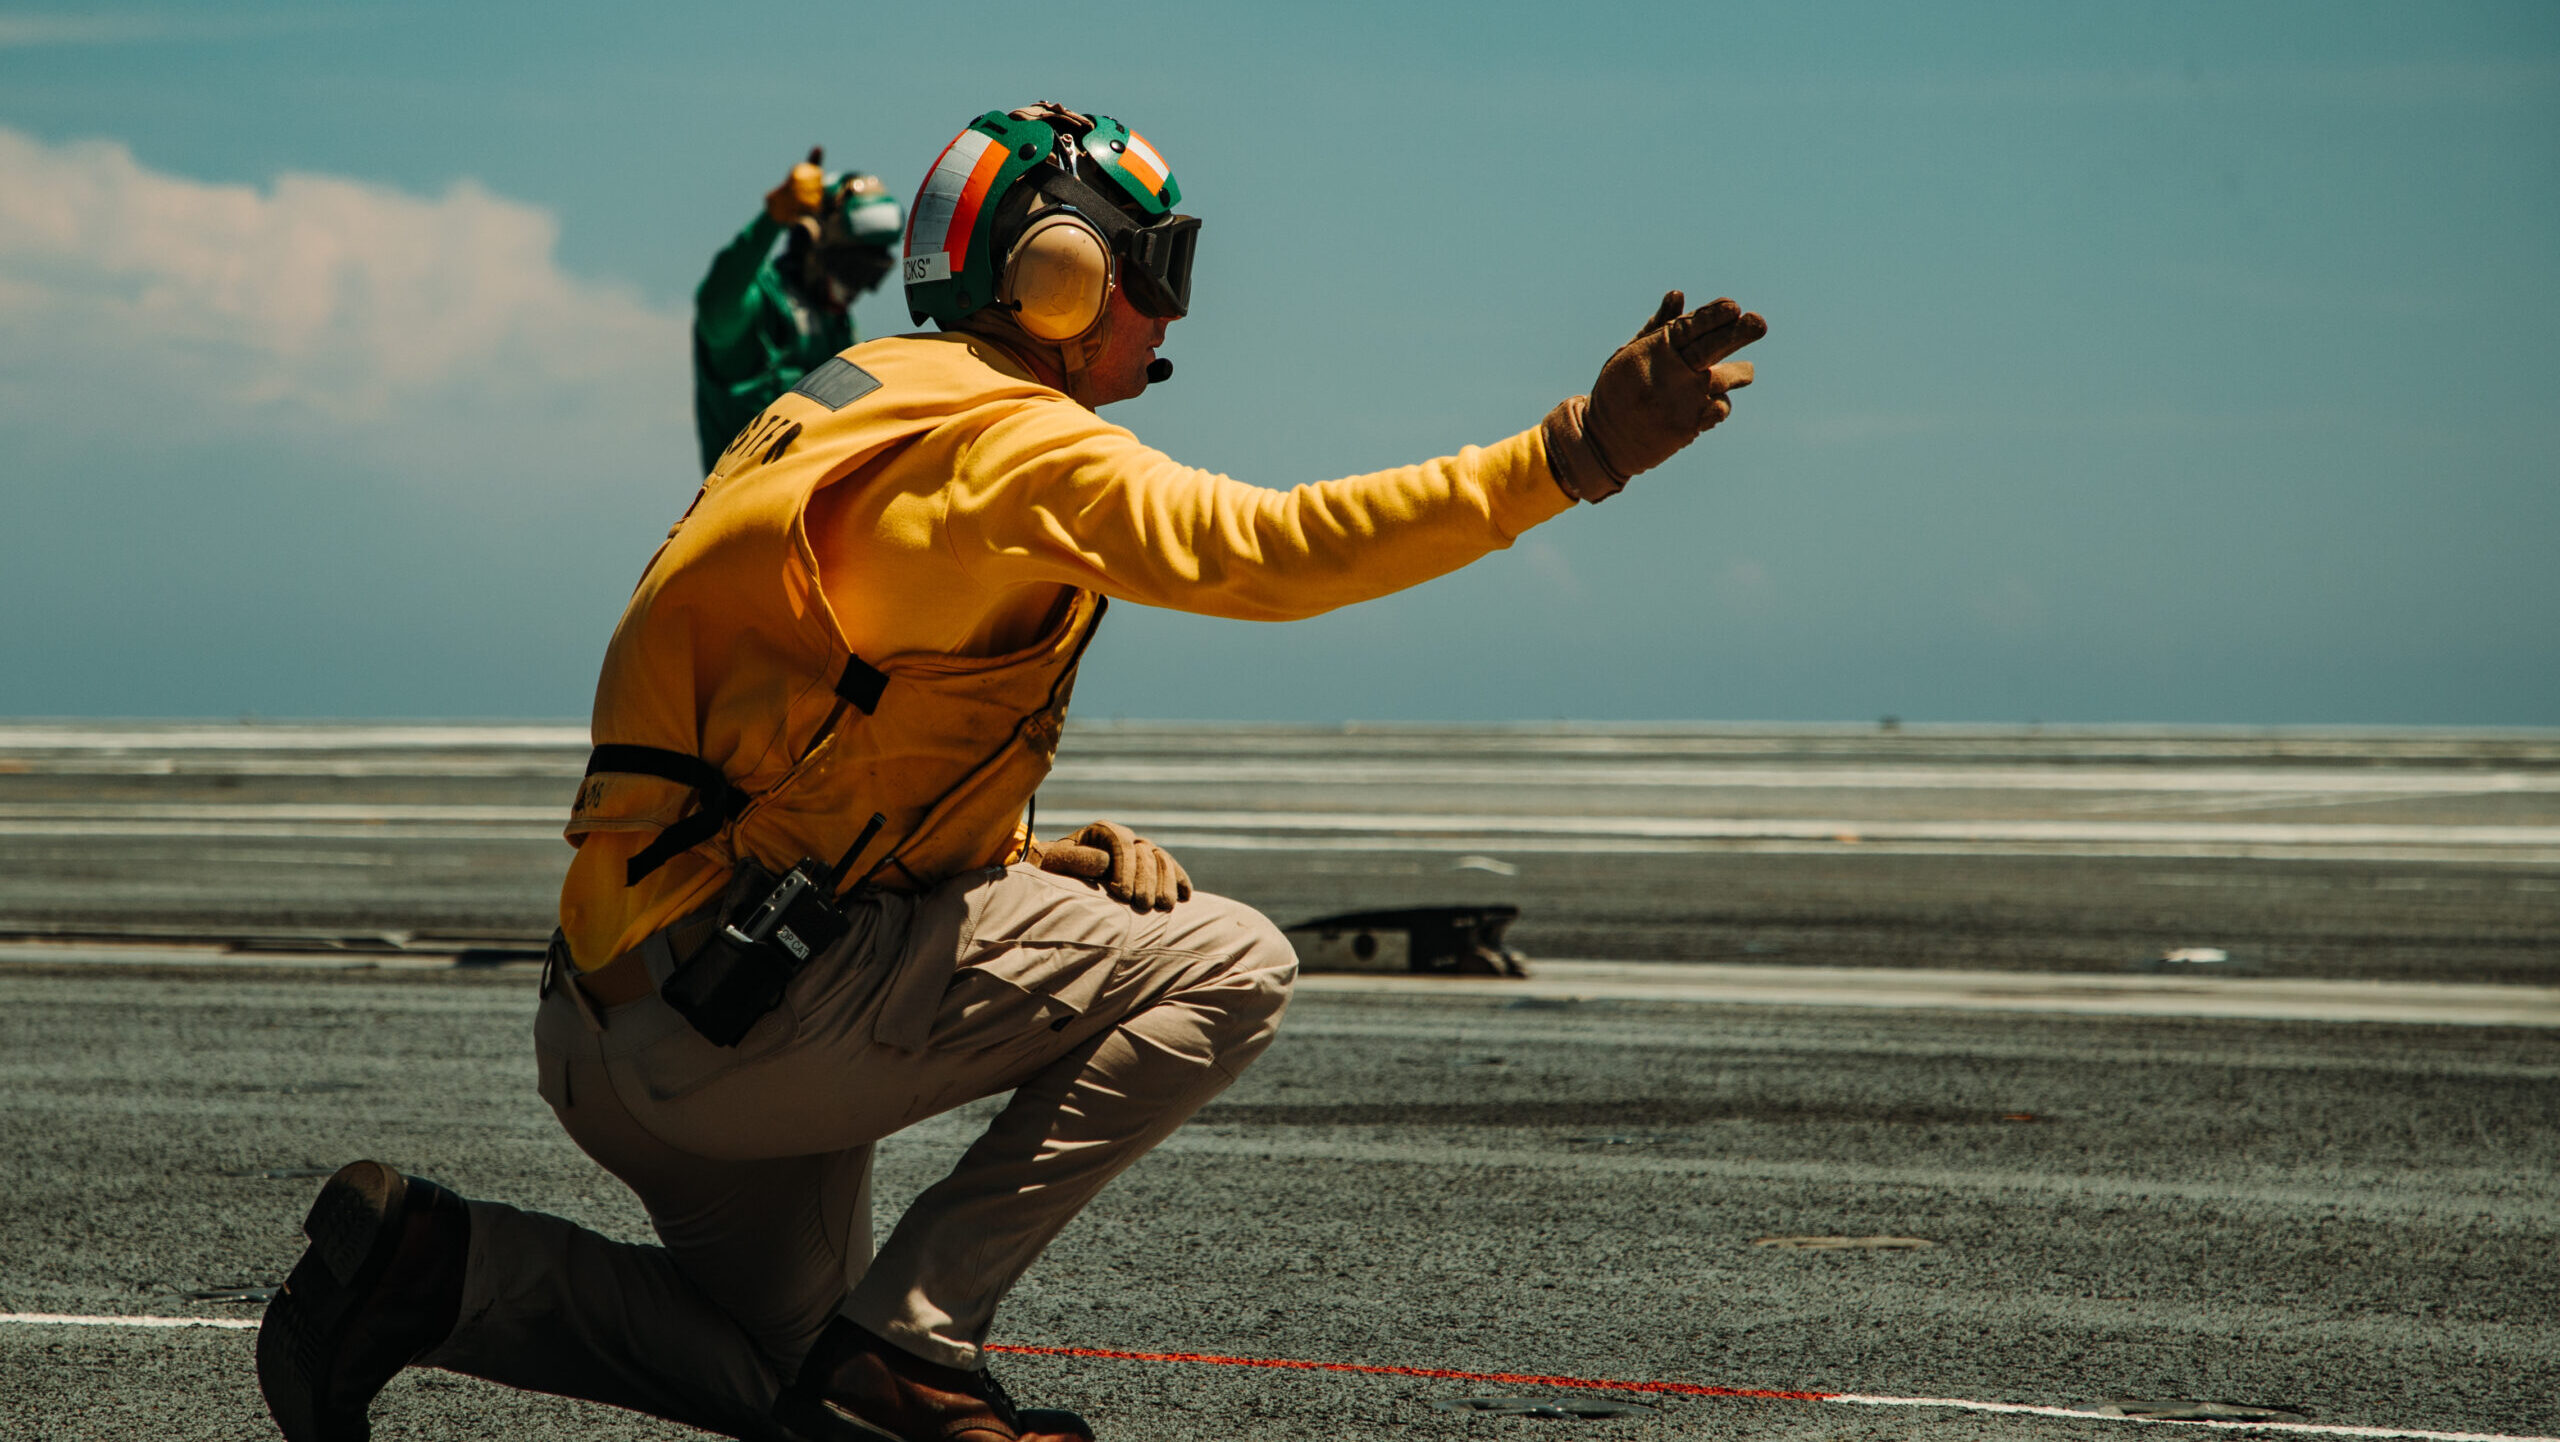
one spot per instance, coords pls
(1043, 496)
(930, 508)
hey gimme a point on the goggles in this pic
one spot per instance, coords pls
(1155, 265)
(855, 266)
(1155, 259)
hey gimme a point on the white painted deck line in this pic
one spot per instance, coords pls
(1526, 828)
(2315, 1429)
(1512, 843)
(1719, 773)
(75, 953)
(199, 812)
(1888, 988)
(2198, 786)
(147, 817)
(286, 736)
(73, 1319)
(1390, 831)
(2076, 993)
(1852, 1399)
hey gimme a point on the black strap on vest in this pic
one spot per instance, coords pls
(720, 800)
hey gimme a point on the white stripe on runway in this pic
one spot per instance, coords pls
(281, 831)
(1521, 829)
(357, 812)
(70, 1319)
(2078, 993)
(2316, 1429)
(2198, 787)
(263, 736)
(1853, 1399)
(1424, 771)
(2508, 1200)
(1736, 828)
(2241, 998)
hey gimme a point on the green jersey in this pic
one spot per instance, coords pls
(753, 337)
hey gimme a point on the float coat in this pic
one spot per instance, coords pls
(929, 508)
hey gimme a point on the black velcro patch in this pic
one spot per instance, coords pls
(861, 684)
(837, 384)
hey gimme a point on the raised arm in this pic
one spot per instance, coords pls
(721, 314)
(1052, 493)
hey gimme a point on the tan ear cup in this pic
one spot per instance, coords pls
(1058, 278)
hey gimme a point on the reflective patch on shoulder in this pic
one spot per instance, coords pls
(622, 802)
(837, 384)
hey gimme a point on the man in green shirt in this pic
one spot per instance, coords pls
(761, 322)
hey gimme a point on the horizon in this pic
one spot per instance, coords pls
(2189, 365)
(13, 728)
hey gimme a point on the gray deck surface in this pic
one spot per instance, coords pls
(2355, 1218)
(2421, 856)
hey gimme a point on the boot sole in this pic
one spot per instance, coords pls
(822, 1421)
(354, 1229)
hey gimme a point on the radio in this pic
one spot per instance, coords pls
(740, 972)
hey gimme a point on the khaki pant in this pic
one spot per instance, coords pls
(1109, 1026)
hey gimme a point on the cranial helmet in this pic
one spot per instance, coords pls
(852, 238)
(1040, 212)
(864, 210)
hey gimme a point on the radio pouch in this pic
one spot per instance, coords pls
(774, 928)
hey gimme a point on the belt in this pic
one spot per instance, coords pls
(623, 979)
(627, 977)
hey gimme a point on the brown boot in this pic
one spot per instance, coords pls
(380, 1285)
(854, 1387)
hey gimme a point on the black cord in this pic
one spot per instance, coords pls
(835, 873)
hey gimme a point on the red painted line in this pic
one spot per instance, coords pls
(1441, 1374)
(1685, 1389)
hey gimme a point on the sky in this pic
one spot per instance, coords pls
(2160, 363)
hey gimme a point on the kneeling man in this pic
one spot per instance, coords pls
(806, 910)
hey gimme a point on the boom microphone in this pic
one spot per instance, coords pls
(1159, 371)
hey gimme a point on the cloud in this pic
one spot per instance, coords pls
(316, 447)
(20, 32)
(315, 305)
(30, 31)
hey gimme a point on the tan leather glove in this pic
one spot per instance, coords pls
(1127, 866)
(1659, 392)
(803, 193)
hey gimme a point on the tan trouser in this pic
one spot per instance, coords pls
(1109, 1026)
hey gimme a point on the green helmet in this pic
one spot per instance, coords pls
(974, 201)
(852, 240)
(865, 208)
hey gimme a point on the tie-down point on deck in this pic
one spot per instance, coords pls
(1421, 940)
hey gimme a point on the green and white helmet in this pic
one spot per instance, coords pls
(974, 201)
(869, 213)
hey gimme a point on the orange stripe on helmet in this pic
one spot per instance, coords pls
(931, 216)
(982, 178)
(1141, 160)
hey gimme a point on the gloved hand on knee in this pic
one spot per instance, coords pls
(1659, 392)
(1127, 866)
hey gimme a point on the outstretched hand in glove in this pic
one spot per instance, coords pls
(802, 193)
(1128, 867)
(1659, 392)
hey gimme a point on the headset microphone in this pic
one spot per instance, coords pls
(1159, 371)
